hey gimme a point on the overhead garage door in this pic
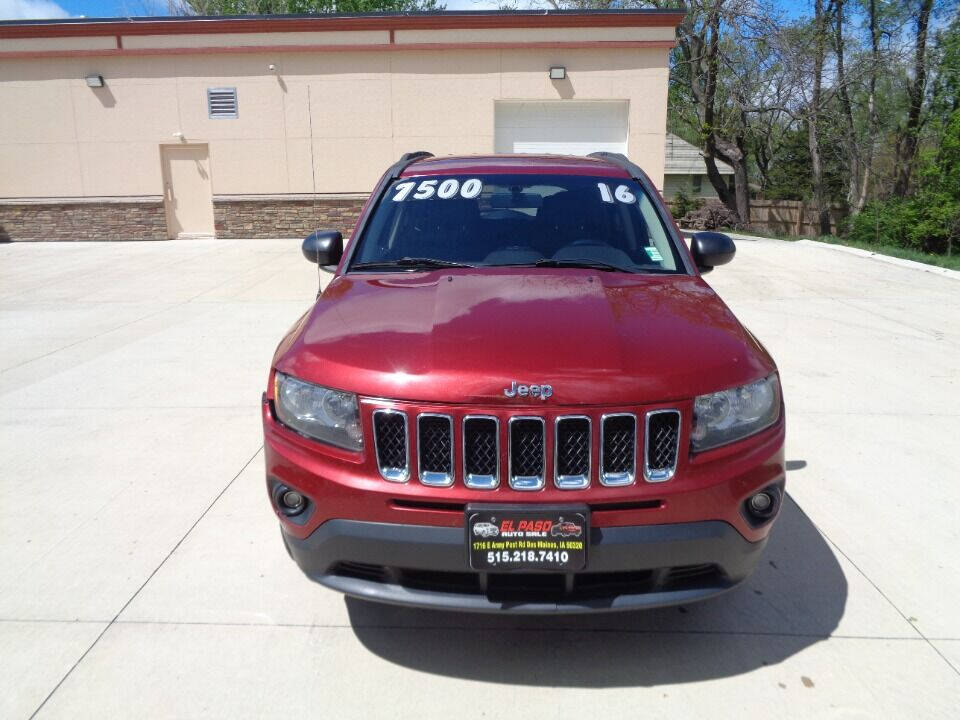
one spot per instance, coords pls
(564, 128)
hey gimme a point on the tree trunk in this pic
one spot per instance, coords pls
(737, 200)
(910, 135)
(761, 156)
(813, 120)
(717, 180)
(873, 120)
(699, 46)
(851, 147)
(735, 155)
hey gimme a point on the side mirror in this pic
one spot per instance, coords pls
(323, 247)
(711, 249)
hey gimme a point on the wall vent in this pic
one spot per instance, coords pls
(222, 103)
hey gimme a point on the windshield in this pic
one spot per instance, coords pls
(521, 220)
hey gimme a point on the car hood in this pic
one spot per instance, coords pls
(462, 336)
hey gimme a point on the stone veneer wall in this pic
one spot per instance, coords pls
(238, 217)
(103, 220)
(234, 217)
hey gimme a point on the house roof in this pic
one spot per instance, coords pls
(340, 21)
(682, 158)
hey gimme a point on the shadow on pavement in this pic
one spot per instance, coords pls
(795, 598)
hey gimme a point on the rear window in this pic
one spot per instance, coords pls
(502, 220)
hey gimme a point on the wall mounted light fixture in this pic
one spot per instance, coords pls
(558, 73)
(94, 80)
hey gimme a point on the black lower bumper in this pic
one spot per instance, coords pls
(627, 567)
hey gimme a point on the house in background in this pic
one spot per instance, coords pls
(684, 169)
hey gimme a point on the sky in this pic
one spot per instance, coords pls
(37, 9)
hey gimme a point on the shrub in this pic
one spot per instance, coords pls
(681, 204)
(930, 220)
(925, 222)
(882, 223)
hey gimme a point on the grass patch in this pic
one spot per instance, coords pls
(951, 262)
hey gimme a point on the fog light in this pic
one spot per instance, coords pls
(761, 507)
(761, 503)
(292, 501)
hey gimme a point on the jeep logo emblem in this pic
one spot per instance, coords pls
(538, 391)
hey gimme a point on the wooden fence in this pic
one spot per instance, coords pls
(791, 217)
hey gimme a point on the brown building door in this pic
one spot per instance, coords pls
(187, 195)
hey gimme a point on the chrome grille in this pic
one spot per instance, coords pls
(571, 453)
(527, 450)
(661, 443)
(618, 457)
(390, 438)
(481, 452)
(435, 449)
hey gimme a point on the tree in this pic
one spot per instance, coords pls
(789, 174)
(873, 120)
(720, 83)
(813, 113)
(699, 47)
(928, 218)
(790, 171)
(850, 141)
(729, 78)
(908, 135)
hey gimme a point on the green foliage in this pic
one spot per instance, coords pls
(882, 223)
(682, 203)
(928, 221)
(791, 173)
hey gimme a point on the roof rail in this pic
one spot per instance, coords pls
(407, 159)
(621, 161)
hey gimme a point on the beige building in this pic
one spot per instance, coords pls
(271, 127)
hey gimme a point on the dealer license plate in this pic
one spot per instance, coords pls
(502, 538)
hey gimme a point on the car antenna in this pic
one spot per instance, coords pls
(313, 181)
(319, 273)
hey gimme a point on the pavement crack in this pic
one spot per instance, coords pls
(886, 597)
(113, 620)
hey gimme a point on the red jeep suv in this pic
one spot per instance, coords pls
(518, 394)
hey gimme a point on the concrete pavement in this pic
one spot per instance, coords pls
(142, 574)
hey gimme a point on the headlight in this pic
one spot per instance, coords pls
(318, 412)
(729, 415)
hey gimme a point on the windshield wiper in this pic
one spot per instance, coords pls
(591, 264)
(410, 262)
(598, 265)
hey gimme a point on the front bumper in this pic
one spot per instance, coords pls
(426, 566)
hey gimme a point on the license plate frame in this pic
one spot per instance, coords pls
(527, 538)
